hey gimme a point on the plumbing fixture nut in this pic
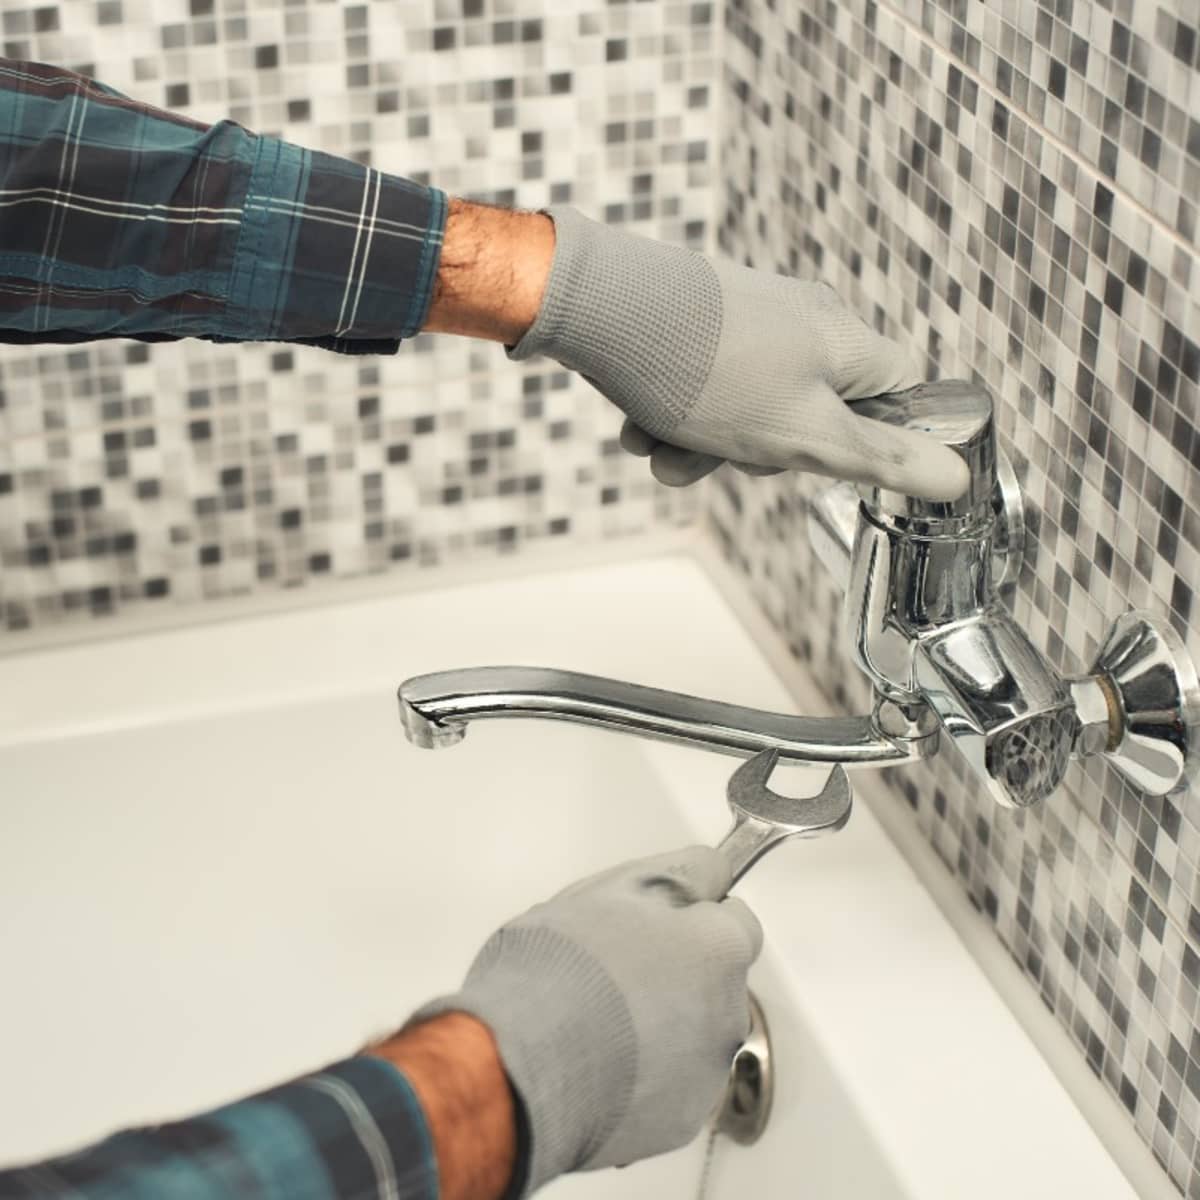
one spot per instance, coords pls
(904, 720)
(1098, 709)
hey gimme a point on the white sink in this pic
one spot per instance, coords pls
(221, 865)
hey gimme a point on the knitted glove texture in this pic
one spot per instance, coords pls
(617, 1007)
(713, 361)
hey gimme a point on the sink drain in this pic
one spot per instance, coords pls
(744, 1112)
(746, 1108)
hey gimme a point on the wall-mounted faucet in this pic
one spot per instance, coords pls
(929, 629)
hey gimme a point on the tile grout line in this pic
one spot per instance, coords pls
(1041, 130)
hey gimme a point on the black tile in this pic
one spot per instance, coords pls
(1056, 81)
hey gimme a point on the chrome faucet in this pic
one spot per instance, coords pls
(925, 617)
(923, 585)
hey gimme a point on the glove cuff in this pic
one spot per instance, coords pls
(567, 269)
(640, 319)
(570, 1053)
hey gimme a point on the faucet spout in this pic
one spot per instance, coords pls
(436, 710)
(1004, 707)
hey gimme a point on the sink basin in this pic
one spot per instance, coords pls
(221, 865)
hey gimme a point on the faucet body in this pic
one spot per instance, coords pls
(928, 627)
(925, 618)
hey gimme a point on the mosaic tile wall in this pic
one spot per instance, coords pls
(1012, 187)
(136, 476)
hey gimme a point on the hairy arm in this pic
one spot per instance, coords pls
(445, 1127)
(455, 1070)
(493, 271)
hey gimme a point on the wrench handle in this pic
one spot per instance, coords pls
(747, 842)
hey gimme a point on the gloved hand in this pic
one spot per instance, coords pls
(713, 361)
(617, 1007)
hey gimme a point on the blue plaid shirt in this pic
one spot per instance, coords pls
(122, 220)
(353, 1131)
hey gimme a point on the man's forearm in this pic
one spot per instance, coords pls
(493, 271)
(454, 1068)
(233, 236)
(445, 1126)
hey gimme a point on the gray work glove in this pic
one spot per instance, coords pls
(617, 1007)
(712, 361)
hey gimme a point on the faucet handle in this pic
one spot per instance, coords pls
(833, 524)
(1149, 724)
(959, 415)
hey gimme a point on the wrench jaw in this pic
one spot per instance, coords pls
(837, 802)
(762, 818)
(750, 779)
(826, 812)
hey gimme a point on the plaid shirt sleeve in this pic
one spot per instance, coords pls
(118, 219)
(353, 1132)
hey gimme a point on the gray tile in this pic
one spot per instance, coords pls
(915, 157)
(171, 474)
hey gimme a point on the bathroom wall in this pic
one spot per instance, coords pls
(137, 477)
(1012, 188)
